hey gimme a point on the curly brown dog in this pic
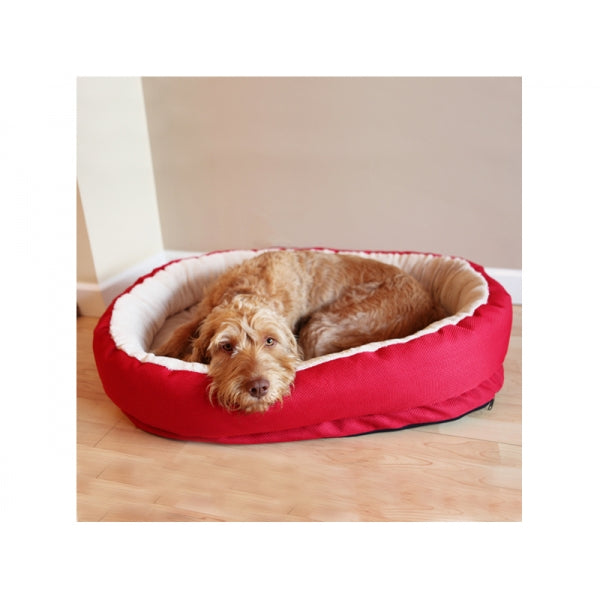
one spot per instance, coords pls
(259, 319)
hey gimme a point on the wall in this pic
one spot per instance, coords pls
(429, 164)
(114, 176)
(86, 271)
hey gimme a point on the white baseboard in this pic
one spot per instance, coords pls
(94, 298)
(90, 301)
(510, 280)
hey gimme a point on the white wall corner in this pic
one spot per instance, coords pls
(115, 175)
(93, 299)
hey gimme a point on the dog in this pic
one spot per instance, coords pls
(259, 319)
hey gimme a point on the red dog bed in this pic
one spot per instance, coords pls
(451, 368)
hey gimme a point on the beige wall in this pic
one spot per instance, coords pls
(430, 164)
(196, 164)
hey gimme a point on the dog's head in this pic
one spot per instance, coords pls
(252, 354)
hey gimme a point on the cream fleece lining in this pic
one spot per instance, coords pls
(144, 317)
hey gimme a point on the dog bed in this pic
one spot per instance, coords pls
(451, 368)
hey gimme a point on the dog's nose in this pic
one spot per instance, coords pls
(258, 388)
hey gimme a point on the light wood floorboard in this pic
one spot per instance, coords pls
(466, 470)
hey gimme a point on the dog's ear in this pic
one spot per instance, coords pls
(292, 342)
(179, 344)
(298, 349)
(201, 342)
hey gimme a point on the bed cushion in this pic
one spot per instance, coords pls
(450, 368)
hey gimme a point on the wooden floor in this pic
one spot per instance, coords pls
(467, 470)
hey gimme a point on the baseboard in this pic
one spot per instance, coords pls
(511, 280)
(90, 300)
(94, 298)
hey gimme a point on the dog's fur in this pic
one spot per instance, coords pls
(259, 319)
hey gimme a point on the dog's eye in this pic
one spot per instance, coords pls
(226, 347)
(270, 341)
